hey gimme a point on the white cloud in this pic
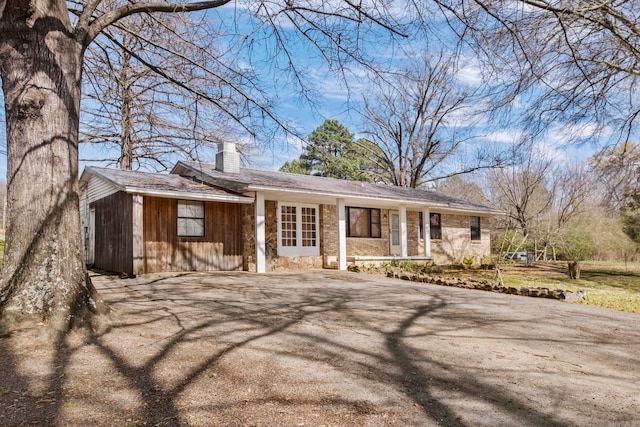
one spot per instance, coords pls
(276, 154)
(569, 134)
(470, 73)
(340, 87)
(570, 142)
(506, 136)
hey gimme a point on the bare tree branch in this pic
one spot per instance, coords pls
(112, 16)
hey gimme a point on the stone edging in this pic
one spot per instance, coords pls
(484, 285)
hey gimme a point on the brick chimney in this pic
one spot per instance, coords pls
(227, 158)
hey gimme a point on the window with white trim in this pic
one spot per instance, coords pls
(309, 228)
(288, 225)
(190, 218)
(298, 229)
(363, 222)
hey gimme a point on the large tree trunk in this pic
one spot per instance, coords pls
(43, 277)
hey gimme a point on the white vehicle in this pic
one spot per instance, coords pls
(517, 256)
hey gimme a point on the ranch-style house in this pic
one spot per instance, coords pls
(221, 217)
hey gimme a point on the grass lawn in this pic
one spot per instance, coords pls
(608, 284)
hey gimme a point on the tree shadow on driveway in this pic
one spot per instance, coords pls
(332, 349)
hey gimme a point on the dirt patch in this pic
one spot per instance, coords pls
(326, 349)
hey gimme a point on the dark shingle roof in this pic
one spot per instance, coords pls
(135, 181)
(252, 179)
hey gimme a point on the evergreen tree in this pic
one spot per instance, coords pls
(296, 166)
(332, 152)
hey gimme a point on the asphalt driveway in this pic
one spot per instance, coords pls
(326, 349)
(334, 348)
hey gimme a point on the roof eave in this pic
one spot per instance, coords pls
(337, 195)
(92, 171)
(187, 195)
(471, 211)
(399, 201)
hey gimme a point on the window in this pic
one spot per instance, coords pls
(435, 230)
(298, 230)
(288, 227)
(435, 226)
(363, 222)
(309, 229)
(190, 218)
(475, 227)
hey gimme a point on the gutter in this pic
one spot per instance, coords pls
(412, 203)
(188, 195)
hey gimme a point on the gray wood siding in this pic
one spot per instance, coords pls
(96, 189)
(113, 233)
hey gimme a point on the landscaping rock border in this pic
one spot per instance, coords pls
(485, 285)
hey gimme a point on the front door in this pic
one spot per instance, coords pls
(394, 233)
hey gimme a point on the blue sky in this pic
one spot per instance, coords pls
(337, 96)
(332, 99)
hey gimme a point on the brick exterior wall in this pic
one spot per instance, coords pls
(248, 238)
(355, 245)
(456, 241)
(455, 244)
(414, 244)
(359, 246)
(273, 262)
(329, 235)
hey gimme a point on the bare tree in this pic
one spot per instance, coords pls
(522, 190)
(3, 201)
(542, 197)
(466, 188)
(150, 119)
(618, 170)
(571, 188)
(42, 48)
(411, 117)
(571, 62)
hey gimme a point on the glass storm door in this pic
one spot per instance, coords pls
(394, 233)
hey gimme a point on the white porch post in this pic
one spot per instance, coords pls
(426, 231)
(260, 234)
(342, 236)
(403, 231)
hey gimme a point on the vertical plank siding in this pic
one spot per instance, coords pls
(95, 189)
(138, 239)
(113, 233)
(220, 249)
